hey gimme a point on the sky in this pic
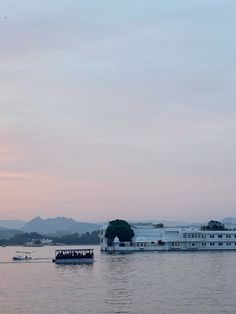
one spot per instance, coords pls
(118, 109)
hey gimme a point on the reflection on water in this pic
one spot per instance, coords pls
(168, 282)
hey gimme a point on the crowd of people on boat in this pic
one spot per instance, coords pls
(74, 254)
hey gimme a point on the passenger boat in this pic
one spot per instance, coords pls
(22, 256)
(74, 256)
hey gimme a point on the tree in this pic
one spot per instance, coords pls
(160, 225)
(23, 238)
(119, 228)
(213, 225)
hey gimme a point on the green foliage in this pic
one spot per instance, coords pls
(76, 238)
(119, 228)
(160, 225)
(213, 225)
(3, 242)
(69, 239)
(23, 238)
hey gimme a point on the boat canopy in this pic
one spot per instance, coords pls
(74, 251)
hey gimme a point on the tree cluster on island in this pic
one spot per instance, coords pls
(213, 225)
(120, 229)
(159, 225)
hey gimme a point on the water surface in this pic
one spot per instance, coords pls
(147, 282)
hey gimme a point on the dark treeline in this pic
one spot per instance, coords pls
(22, 239)
(70, 239)
(76, 238)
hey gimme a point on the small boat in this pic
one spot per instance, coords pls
(74, 256)
(22, 256)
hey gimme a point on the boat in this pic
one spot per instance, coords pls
(22, 256)
(74, 256)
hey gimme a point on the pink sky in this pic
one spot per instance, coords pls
(117, 110)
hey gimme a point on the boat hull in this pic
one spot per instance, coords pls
(22, 259)
(74, 261)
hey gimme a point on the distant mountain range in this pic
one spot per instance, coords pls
(58, 225)
(8, 233)
(12, 224)
(50, 226)
(61, 226)
(229, 220)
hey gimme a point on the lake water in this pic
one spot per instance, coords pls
(167, 282)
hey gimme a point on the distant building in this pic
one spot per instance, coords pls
(37, 242)
(148, 237)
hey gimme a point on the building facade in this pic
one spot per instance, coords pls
(148, 237)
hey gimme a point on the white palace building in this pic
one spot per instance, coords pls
(148, 237)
